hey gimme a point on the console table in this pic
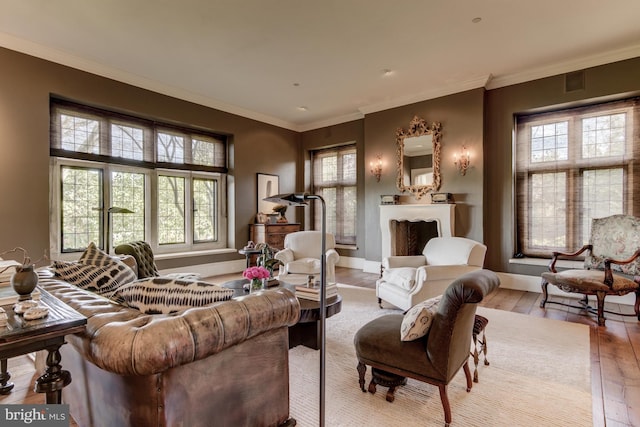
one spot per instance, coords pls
(22, 336)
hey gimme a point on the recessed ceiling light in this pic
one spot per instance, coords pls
(296, 84)
(302, 108)
(387, 72)
(476, 20)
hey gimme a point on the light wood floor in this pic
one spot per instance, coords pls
(615, 352)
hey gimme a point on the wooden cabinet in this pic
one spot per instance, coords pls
(272, 234)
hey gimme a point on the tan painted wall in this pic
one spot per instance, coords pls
(612, 81)
(25, 86)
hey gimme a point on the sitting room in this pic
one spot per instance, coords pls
(261, 214)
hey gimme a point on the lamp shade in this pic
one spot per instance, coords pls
(290, 199)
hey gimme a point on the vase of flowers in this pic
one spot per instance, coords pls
(256, 277)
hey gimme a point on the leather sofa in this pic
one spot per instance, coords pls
(225, 364)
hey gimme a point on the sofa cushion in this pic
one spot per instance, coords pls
(418, 319)
(403, 277)
(163, 295)
(102, 280)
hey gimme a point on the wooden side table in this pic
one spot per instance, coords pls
(22, 336)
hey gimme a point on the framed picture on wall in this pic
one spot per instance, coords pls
(268, 185)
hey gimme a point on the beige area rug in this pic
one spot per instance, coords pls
(539, 376)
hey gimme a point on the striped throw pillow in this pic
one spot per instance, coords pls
(102, 280)
(162, 295)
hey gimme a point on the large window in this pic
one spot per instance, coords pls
(573, 166)
(118, 178)
(334, 178)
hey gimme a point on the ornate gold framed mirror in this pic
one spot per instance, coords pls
(418, 157)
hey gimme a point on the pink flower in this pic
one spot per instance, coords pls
(256, 273)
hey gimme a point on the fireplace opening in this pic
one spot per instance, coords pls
(410, 237)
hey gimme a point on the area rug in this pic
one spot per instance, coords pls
(539, 375)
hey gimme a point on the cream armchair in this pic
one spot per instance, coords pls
(301, 257)
(408, 280)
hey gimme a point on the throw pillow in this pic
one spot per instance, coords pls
(163, 295)
(100, 280)
(93, 255)
(418, 319)
(403, 277)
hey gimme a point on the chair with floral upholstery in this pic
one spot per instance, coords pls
(614, 246)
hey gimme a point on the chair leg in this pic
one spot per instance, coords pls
(545, 294)
(467, 374)
(600, 297)
(380, 302)
(445, 403)
(362, 369)
(636, 307)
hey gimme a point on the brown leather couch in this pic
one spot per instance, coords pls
(222, 365)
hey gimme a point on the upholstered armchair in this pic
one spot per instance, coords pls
(301, 256)
(408, 280)
(435, 357)
(611, 266)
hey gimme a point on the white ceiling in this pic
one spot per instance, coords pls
(263, 59)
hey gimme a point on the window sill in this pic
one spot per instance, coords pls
(563, 263)
(175, 255)
(347, 247)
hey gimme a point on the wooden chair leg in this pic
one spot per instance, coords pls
(636, 306)
(362, 369)
(545, 294)
(600, 297)
(467, 373)
(445, 403)
(380, 302)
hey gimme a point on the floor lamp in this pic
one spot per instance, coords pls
(300, 199)
(112, 210)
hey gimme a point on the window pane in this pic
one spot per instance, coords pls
(603, 136)
(548, 210)
(349, 167)
(171, 221)
(203, 153)
(81, 203)
(170, 148)
(127, 191)
(349, 215)
(80, 134)
(204, 210)
(127, 142)
(329, 196)
(329, 165)
(549, 142)
(602, 195)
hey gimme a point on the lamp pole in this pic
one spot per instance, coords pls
(300, 200)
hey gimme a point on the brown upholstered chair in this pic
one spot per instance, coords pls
(614, 246)
(435, 358)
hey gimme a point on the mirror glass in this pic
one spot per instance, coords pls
(418, 152)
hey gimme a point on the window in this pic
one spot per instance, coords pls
(166, 178)
(334, 178)
(572, 166)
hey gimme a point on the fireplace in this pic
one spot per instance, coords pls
(396, 219)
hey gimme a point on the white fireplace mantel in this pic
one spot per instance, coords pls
(442, 214)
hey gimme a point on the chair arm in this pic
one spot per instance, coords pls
(608, 275)
(564, 255)
(332, 256)
(285, 255)
(414, 261)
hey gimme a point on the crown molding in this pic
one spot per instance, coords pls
(69, 60)
(565, 67)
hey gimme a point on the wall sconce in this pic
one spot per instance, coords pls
(376, 167)
(462, 161)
